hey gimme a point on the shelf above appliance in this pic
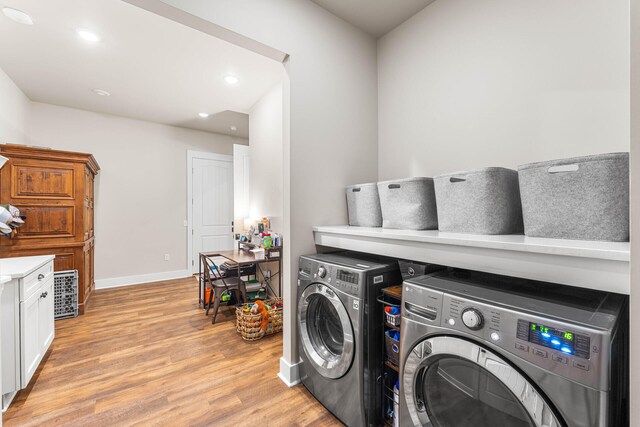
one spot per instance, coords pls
(586, 264)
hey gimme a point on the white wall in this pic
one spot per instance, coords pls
(266, 147)
(332, 92)
(466, 84)
(634, 302)
(14, 112)
(267, 155)
(141, 190)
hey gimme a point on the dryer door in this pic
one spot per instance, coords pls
(449, 381)
(325, 330)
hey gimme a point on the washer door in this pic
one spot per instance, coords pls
(325, 330)
(450, 382)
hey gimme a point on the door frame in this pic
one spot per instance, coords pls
(191, 156)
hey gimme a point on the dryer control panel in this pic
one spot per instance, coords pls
(345, 280)
(348, 281)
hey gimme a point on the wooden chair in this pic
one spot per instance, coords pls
(219, 285)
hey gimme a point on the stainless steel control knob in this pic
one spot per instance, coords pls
(322, 272)
(472, 319)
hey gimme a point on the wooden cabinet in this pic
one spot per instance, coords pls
(55, 190)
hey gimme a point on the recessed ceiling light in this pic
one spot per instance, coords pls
(88, 35)
(101, 92)
(203, 115)
(17, 15)
(233, 128)
(231, 80)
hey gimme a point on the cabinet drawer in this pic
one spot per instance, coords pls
(34, 280)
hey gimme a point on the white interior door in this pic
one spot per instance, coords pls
(212, 205)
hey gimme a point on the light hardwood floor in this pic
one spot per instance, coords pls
(147, 355)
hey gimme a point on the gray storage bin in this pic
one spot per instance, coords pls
(411, 269)
(363, 205)
(392, 347)
(581, 198)
(482, 201)
(408, 204)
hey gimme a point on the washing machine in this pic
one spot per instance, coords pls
(483, 350)
(340, 335)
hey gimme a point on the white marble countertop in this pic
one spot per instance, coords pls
(18, 267)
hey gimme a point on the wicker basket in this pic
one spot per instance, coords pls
(248, 325)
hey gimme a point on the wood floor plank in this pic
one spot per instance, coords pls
(147, 356)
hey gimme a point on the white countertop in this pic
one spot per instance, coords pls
(16, 268)
(619, 251)
(587, 264)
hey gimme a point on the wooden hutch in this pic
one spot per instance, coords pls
(54, 189)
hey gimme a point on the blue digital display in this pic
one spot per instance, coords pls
(551, 338)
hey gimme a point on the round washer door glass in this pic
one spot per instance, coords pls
(326, 331)
(325, 328)
(450, 382)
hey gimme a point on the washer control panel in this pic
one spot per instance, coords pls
(564, 341)
(564, 349)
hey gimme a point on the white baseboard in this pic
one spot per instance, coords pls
(142, 278)
(289, 374)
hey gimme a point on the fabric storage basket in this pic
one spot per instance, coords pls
(363, 205)
(408, 204)
(582, 198)
(482, 201)
(409, 269)
(392, 346)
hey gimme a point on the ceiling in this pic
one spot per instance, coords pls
(155, 69)
(376, 17)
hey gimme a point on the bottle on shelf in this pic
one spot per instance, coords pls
(396, 403)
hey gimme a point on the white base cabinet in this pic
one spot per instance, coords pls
(27, 328)
(3, 280)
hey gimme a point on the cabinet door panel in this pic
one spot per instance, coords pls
(47, 221)
(92, 275)
(87, 220)
(87, 271)
(30, 345)
(43, 182)
(46, 329)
